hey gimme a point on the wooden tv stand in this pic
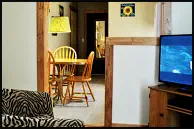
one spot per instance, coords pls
(163, 114)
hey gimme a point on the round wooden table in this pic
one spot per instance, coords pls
(60, 63)
(70, 61)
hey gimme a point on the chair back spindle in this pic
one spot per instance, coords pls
(66, 52)
(88, 66)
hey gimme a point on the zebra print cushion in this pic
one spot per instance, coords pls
(26, 103)
(15, 121)
(22, 108)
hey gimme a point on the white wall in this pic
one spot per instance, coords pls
(134, 67)
(19, 53)
(62, 39)
(181, 17)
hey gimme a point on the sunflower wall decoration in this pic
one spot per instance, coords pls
(128, 10)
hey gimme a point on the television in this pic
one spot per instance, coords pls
(175, 59)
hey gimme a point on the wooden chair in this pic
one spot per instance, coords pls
(66, 52)
(51, 76)
(85, 78)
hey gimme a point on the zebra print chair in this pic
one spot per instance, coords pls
(21, 108)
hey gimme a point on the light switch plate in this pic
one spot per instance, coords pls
(82, 40)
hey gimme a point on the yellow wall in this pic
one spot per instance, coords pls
(142, 25)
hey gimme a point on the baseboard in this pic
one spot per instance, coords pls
(94, 125)
(116, 125)
(127, 125)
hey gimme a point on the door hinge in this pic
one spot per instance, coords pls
(149, 95)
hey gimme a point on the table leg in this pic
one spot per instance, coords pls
(61, 75)
(60, 89)
(66, 93)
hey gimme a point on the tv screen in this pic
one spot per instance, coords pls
(176, 59)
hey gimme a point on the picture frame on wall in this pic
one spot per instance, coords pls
(128, 10)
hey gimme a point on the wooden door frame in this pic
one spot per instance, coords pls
(108, 88)
(110, 43)
(42, 48)
(85, 31)
(165, 27)
(71, 8)
(85, 27)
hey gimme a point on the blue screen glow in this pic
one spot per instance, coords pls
(176, 59)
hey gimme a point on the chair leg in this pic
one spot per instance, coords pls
(60, 88)
(50, 89)
(66, 93)
(69, 90)
(53, 104)
(72, 92)
(85, 93)
(88, 84)
(57, 97)
(55, 89)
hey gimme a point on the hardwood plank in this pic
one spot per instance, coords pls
(158, 111)
(167, 7)
(161, 113)
(42, 46)
(173, 119)
(176, 110)
(162, 19)
(171, 89)
(108, 84)
(154, 41)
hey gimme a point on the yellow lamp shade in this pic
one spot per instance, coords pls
(59, 25)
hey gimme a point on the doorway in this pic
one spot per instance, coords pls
(42, 53)
(97, 30)
(74, 27)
